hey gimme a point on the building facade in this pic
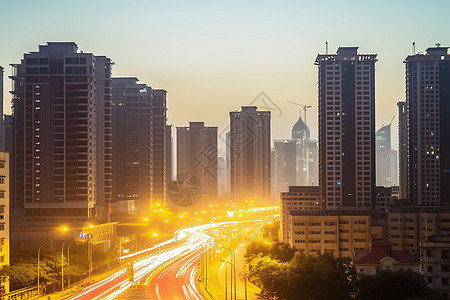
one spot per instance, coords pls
(158, 147)
(347, 128)
(435, 262)
(197, 156)
(60, 96)
(250, 159)
(428, 108)
(4, 217)
(402, 149)
(132, 139)
(298, 198)
(316, 232)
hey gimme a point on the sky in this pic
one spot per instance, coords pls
(214, 57)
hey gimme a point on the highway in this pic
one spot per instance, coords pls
(189, 252)
(179, 279)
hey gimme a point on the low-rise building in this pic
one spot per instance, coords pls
(408, 225)
(343, 234)
(383, 198)
(299, 198)
(382, 257)
(435, 262)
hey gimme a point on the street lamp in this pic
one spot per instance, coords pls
(39, 267)
(233, 267)
(62, 268)
(233, 262)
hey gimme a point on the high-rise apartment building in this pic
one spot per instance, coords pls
(386, 158)
(197, 157)
(250, 153)
(158, 145)
(347, 128)
(61, 96)
(132, 116)
(428, 108)
(402, 149)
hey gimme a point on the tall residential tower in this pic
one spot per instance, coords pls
(428, 105)
(347, 128)
(61, 98)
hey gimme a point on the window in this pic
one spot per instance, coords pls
(2, 194)
(2, 164)
(2, 226)
(314, 223)
(429, 268)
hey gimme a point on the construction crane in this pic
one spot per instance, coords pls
(305, 107)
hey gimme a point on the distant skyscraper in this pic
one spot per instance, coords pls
(347, 128)
(288, 165)
(428, 106)
(403, 149)
(386, 158)
(60, 97)
(221, 176)
(306, 154)
(197, 157)
(158, 145)
(132, 116)
(250, 153)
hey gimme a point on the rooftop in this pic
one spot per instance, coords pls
(382, 250)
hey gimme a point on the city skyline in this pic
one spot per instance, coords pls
(201, 52)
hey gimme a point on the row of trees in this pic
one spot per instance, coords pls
(22, 271)
(284, 273)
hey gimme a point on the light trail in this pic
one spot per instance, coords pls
(115, 284)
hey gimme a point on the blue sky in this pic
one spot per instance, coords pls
(213, 57)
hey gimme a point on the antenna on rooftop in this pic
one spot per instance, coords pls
(326, 48)
(414, 48)
(438, 45)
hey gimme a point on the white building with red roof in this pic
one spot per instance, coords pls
(382, 257)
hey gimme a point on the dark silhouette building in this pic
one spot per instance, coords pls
(61, 96)
(132, 116)
(428, 108)
(158, 145)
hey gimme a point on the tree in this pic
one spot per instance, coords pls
(398, 285)
(304, 277)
